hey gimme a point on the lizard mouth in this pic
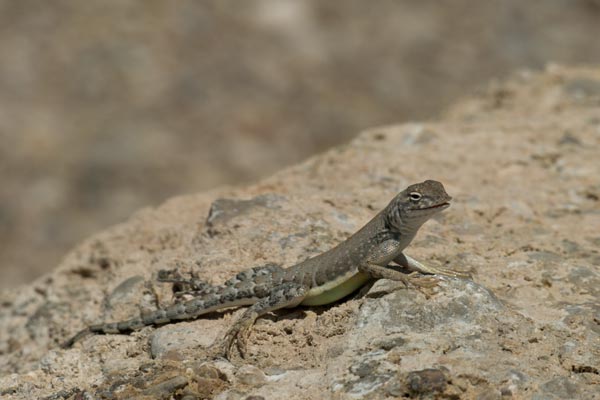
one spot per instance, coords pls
(442, 205)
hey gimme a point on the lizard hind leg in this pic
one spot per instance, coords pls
(195, 287)
(288, 294)
(269, 273)
(183, 286)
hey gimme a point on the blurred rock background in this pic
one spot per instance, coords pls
(108, 106)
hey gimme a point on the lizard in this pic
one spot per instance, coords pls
(323, 279)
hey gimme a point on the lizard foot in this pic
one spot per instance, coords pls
(238, 334)
(182, 286)
(413, 280)
(411, 263)
(423, 283)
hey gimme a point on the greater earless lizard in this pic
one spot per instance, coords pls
(319, 280)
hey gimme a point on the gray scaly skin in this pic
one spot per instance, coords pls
(320, 280)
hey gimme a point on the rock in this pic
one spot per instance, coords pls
(524, 221)
(167, 388)
(559, 388)
(125, 290)
(490, 394)
(426, 381)
(170, 340)
(251, 376)
(388, 343)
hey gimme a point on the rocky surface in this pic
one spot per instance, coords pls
(107, 106)
(521, 162)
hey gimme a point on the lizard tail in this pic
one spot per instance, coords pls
(219, 297)
(80, 335)
(115, 327)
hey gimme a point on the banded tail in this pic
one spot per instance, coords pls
(213, 299)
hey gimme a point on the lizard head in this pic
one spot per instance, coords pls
(416, 204)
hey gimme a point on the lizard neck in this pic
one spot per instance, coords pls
(403, 230)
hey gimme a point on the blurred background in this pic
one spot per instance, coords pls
(107, 106)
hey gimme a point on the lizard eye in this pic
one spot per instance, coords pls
(415, 196)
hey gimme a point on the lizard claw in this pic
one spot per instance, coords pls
(242, 343)
(420, 282)
(224, 349)
(220, 351)
(409, 280)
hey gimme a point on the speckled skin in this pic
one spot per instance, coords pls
(322, 279)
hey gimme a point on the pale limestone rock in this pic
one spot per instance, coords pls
(524, 220)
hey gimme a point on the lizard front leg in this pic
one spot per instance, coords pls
(379, 272)
(412, 264)
(376, 265)
(288, 294)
